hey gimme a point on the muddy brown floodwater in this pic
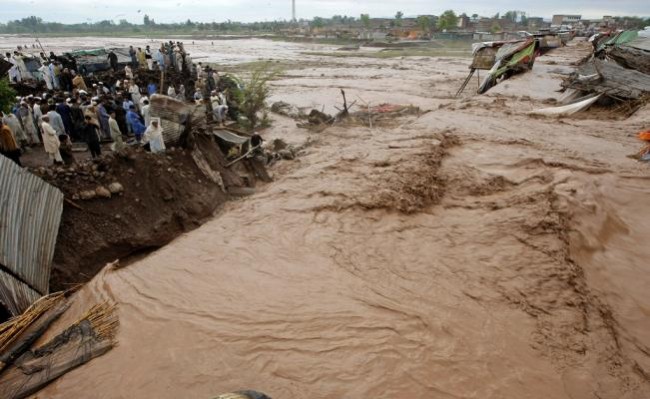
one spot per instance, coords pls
(471, 252)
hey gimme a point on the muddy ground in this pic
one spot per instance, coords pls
(468, 252)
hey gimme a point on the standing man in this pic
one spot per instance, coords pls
(179, 60)
(128, 72)
(47, 75)
(199, 71)
(27, 119)
(135, 123)
(148, 57)
(103, 118)
(112, 59)
(154, 136)
(8, 146)
(142, 60)
(56, 122)
(51, 141)
(132, 54)
(54, 72)
(116, 134)
(145, 113)
(134, 90)
(91, 137)
(13, 123)
(77, 117)
(160, 58)
(66, 80)
(78, 82)
(63, 109)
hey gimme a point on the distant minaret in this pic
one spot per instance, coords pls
(293, 10)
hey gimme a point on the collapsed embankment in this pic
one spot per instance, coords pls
(124, 204)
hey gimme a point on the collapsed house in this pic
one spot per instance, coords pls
(617, 75)
(92, 61)
(29, 67)
(502, 60)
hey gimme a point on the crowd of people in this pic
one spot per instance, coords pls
(70, 110)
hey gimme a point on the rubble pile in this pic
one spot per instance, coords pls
(618, 72)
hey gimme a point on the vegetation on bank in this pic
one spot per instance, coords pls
(7, 95)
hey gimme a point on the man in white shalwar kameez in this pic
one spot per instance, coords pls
(154, 136)
(47, 76)
(51, 140)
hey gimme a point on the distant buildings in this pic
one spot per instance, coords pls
(559, 20)
(476, 28)
(536, 23)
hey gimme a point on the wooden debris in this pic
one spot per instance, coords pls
(92, 336)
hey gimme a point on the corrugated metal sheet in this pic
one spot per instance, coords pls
(16, 295)
(173, 115)
(30, 214)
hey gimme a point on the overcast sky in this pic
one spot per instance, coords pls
(69, 11)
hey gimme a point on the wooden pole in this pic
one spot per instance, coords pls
(162, 81)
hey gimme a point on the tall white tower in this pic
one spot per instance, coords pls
(293, 10)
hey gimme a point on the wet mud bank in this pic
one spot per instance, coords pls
(129, 204)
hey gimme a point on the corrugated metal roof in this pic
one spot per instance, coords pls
(173, 114)
(30, 214)
(16, 295)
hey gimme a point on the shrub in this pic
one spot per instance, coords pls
(254, 93)
(7, 95)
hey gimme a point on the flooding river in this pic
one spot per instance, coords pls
(226, 52)
(470, 252)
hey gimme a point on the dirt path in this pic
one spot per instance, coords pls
(472, 252)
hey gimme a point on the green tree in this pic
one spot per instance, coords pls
(475, 17)
(424, 23)
(365, 20)
(256, 90)
(398, 18)
(447, 20)
(7, 95)
(511, 15)
(318, 22)
(496, 28)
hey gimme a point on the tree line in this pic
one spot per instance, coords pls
(448, 20)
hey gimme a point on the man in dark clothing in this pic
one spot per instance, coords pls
(66, 80)
(66, 149)
(120, 115)
(63, 109)
(91, 137)
(77, 116)
(134, 60)
(112, 59)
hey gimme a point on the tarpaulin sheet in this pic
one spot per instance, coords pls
(230, 137)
